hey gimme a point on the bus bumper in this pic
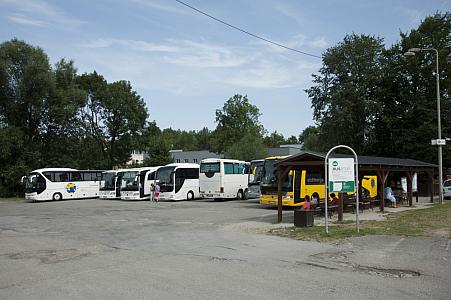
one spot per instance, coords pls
(107, 195)
(31, 196)
(272, 200)
(127, 195)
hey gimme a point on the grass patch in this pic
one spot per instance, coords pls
(435, 220)
(12, 199)
(345, 222)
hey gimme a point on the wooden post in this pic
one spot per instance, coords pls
(282, 172)
(409, 187)
(382, 177)
(340, 207)
(431, 185)
(279, 194)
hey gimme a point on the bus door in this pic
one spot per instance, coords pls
(142, 179)
(297, 186)
(118, 183)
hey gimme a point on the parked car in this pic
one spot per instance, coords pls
(447, 189)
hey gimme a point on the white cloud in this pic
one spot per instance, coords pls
(163, 6)
(135, 45)
(205, 55)
(22, 19)
(184, 53)
(197, 67)
(37, 10)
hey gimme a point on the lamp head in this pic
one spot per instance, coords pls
(414, 49)
(409, 53)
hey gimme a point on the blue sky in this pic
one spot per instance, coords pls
(186, 65)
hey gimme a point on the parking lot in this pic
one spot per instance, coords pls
(201, 249)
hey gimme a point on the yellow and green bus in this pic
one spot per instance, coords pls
(298, 184)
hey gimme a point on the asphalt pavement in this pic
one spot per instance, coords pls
(104, 249)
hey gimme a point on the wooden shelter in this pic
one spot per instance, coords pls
(368, 165)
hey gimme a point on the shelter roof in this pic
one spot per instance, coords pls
(363, 160)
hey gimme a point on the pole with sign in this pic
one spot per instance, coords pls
(341, 176)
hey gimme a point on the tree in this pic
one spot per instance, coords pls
(344, 97)
(158, 154)
(114, 115)
(310, 137)
(236, 119)
(25, 86)
(292, 140)
(275, 139)
(248, 148)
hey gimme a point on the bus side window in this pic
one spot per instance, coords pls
(151, 176)
(75, 176)
(314, 178)
(228, 168)
(193, 173)
(61, 176)
(88, 176)
(50, 176)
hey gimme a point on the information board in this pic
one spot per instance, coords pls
(341, 175)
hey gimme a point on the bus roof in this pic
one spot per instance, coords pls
(137, 169)
(115, 171)
(186, 165)
(208, 160)
(54, 170)
(277, 157)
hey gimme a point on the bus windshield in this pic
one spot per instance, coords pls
(268, 183)
(269, 172)
(34, 183)
(165, 177)
(107, 182)
(256, 173)
(130, 181)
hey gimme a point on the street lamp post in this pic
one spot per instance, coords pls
(412, 52)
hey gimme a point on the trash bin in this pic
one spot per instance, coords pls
(303, 218)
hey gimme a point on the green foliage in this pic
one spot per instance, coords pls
(249, 147)
(344, 97)
(159, 153)
(51, 117)
(275, 139)
(238, 119)
(380, 102)
(310, 136)
(113, 116)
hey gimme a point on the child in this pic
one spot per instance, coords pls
(306, 205)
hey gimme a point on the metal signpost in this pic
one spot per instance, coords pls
(341, 175)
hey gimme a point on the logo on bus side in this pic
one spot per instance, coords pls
(71, 187)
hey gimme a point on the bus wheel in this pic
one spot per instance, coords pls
(246, 194)
(239, 195)
(190, 196)
(57, 197)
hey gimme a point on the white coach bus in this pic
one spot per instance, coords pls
(178, 182)
(110, 184)
(133, 184)
(61, 183)
(223, 179)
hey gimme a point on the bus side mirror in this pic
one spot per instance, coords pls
(22, 180)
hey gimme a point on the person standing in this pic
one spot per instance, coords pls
(156, 193)
(152, 191)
